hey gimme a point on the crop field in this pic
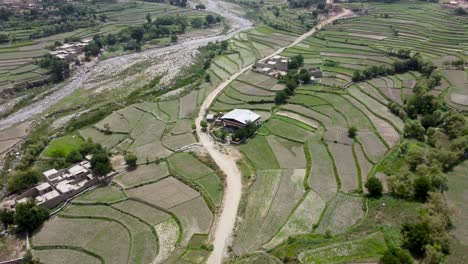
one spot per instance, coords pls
(62, 146)
(367, 248)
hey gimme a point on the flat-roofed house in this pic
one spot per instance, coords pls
(240, 118)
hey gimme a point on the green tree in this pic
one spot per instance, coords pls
(414, 129)
(210, 19)
(454, 124)
(207, 77)
(74, 156)
(422, 186)
(352, 132)
(131, 160)
(281, 97)
(22, 180)
(396, 256)
(416, 236)
(415, 156)
(28, 216)
(304, 76)
(197, 22)
(137, 34)
(173, 38)
(100, 163)
(7, 217)
(374, 187)
(148, 18)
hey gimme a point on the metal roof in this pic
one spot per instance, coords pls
(242, 115)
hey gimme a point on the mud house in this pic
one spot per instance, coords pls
(59, 186)
(70, 51)
(239, 118)
(275, 66)
(316, 72)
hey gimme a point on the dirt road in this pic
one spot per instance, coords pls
(62, 90)
(232, 193)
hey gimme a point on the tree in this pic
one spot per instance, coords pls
(197, 22)
(401, 184)
(396, 256)
(416, 236)
(137, 34)
(74, 156)
(352, 131)
(374, 187)
(200, 7)
(422, 185)
(28, 216)
(415, 156)
(357, 76)
(281, 97)
(4, 38)
(22, 180)
(203, 124)
(148, 18)
(414, 129)
(460, 11)
(100, 163)
(207, 78)
(210, 19)
(454, 124)
(131, 160)
(173, 38)
(304, 76)
(7, 217)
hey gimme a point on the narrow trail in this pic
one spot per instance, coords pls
(227, 162)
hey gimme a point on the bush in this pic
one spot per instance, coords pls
(28, 216)
(131, 160)
(100, 163)
(352, 132)
(396, 256)
(374, 186)
(7, 217)
(74, 156)
(422, 185)
(23, 179)
(416, 237)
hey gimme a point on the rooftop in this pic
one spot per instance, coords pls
(242, 115)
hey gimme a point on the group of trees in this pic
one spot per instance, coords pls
(59, 69)
(415, 63)
(292, 79)
(245, 132)
(305, 3)
(27, 216)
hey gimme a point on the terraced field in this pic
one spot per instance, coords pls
(149, 215)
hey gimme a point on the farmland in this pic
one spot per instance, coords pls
(309, 134)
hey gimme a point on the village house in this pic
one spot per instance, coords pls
(70, 51)
(239, 118)
(276, 66)
(59, 186)
(316, 72)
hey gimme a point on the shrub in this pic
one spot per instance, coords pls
(100, 163)
(28, 216)
(7, 217)
(23, 179)
(396, 256)
(74, 156)
(352, 132)
(374, 186)
(416, 237)
(422, 185)
(131, 160)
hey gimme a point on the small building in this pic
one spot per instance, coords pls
(239, 118)
(59, 186)
(316, 72)
(275, 66)
(210, 118)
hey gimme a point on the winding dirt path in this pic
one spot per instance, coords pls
(227, 162)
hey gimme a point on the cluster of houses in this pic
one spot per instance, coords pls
(275, 66)
(278, 66)
(59, 186)
(70, 51)
(20, 6)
